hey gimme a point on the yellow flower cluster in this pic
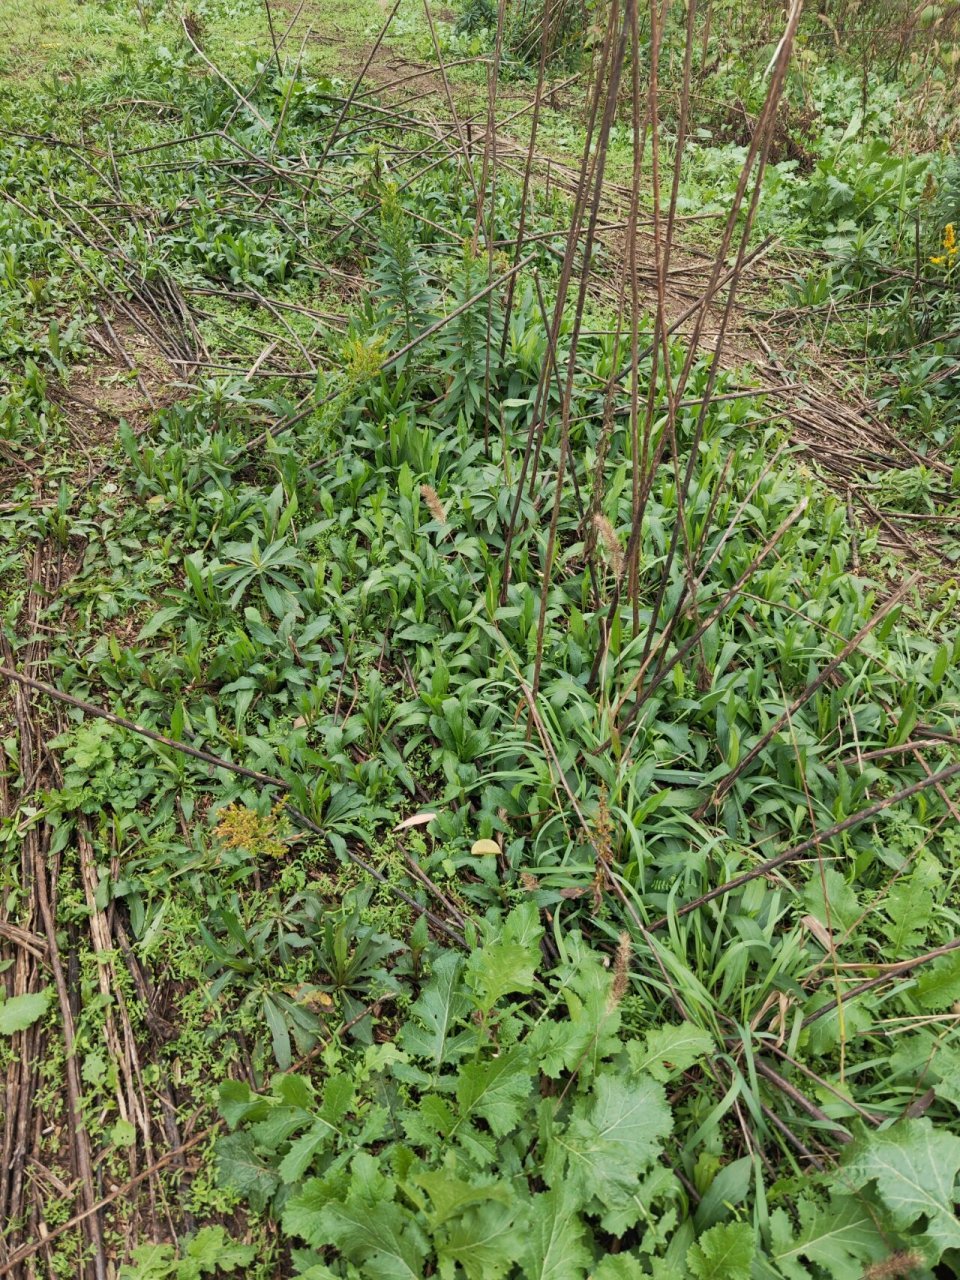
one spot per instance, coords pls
(950, 248)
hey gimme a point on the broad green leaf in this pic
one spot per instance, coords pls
(670, 1050)
(210, 1249)
(844, 1022)
(301, 1213)
(662, 1270)
(279, 1124)
(159, 620)
(482, 1241)
(495, 1090)
(725, 1252)
(914, 1166)
(382, 1239)
(433, 1016)
(19, 1012)
(729, 1186)
(239, 1102)
(451, 1195)
(841, 1237)
(279, 1031)
(909, 905)
(309, 1266)
(832, 900)
(938, 986)
(946, 1064)
(297, 1091)
(619, 1266)
(243, 1169)
(612, 1139)
(553, 1239)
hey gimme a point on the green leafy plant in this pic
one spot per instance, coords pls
(210, 1252)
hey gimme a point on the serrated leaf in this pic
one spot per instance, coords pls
(482, 1241)
(384, 1240)
(909, 906)
(509, 963)
(19, 1012)
(659, 1184)
(590, 1032)
(431, 1117)
(619, 1266)
(938, 986)
(298, 1159)
(151, 1262)
(725, 1252)
(670, 1050)
(434, 1015)
(496, 1090)
(612, 1139)
(914, 1166)
(553, 1235)
(211, 1248)
(241, 1168)
(502, 969)
(451, 1195)
(842, 1238)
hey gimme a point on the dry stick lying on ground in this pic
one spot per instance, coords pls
(171, 1157)
(637, 682)
(91, 709)
(265, 779)
(797, 851)
(40, 872)
(220, 75)
(727, 781)
(353, 92)
(390, 360)
(894, 971)
(78, 1219)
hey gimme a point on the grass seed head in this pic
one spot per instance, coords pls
(610, 542)
(621, 971)
(431, 498)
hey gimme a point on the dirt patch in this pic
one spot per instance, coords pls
(127, 378)
(791, 131)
